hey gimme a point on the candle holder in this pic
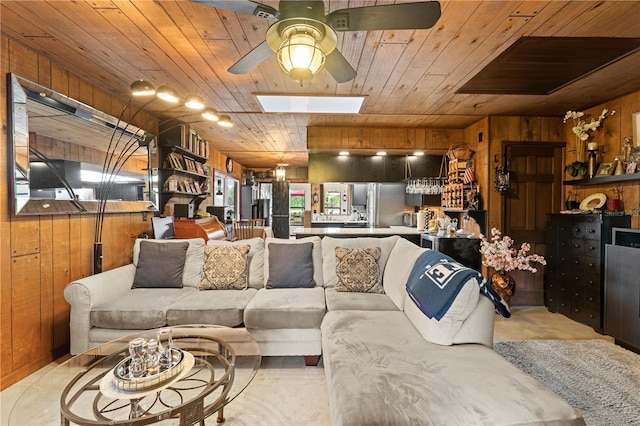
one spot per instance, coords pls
(592, 165)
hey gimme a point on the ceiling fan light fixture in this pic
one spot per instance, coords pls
(300, 54)
(142, 88)
(210, 114)
(168, 94)
(225, 121)
(194, 102)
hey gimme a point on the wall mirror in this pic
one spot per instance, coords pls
(58, 146)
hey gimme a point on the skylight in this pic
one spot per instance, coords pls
(318, 104)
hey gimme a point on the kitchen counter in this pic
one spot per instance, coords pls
(338, 224)
(411, 234)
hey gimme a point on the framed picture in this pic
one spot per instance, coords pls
(631, 167)
(606, 169)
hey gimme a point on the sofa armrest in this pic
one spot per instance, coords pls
(84, 293)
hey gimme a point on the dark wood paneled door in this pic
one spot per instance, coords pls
(536, 189)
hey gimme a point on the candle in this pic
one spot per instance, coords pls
(592, 146)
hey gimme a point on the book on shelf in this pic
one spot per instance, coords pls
(199, 168)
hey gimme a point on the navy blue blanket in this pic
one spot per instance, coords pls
(436, 279)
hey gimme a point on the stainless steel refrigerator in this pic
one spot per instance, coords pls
(280, 209)
(385, 204)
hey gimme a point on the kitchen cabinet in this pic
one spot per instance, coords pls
(363, 168)
(574, 278)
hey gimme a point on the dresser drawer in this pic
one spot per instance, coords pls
(585, 265)
(585, 246)
(587, 229)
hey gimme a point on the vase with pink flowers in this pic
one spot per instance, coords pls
(500, 255)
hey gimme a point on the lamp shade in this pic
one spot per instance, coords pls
(210, 114)
(281, 172)
(168, 94)
(142, 88)
(225, 121)
(300, 55)
(194, 102)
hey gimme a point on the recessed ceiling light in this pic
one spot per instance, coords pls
(343, 153)
(318, 104)
(381, 153)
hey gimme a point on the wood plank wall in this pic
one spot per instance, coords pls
(610, 138)
(330, 139)
(40, 255)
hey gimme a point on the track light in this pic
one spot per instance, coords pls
(142, 88)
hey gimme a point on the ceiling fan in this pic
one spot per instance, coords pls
(304, 38)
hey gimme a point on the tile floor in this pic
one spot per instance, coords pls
(285, 392)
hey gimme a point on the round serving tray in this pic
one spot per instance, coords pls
(113, 385)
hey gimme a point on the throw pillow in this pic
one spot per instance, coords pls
(160, 265)
(290, 266)
(358, 270)
(225, 268)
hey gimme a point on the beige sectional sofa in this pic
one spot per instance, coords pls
(385, 361)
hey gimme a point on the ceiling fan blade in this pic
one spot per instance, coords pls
(252, 59)
(404, 16)
(246, 7)
(339, 67)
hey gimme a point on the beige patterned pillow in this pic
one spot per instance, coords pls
(225, 267)
(358, 270)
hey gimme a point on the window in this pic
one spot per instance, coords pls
(332, 202)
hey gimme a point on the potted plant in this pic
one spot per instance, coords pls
(581, 128)
(577, 169)
(571, 201)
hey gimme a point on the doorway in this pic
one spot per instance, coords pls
(536, 190)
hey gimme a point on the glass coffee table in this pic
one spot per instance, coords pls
(219, 364)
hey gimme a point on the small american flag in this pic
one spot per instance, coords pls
(469, 173)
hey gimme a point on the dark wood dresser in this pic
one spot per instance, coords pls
(574, 277)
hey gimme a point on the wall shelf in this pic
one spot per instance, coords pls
(603, 179)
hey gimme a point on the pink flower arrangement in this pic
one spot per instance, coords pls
(501, 256)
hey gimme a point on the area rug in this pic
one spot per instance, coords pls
(595, 376)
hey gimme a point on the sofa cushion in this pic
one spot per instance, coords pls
(358, 270)
(255, 258)
(380, 371)
(329, 245)
(220, 307)
(281, 259)
(401, 260)
(160, 265)
(443, 332)
(193, 262)
(286, 308)
(316, 255)
(140, 308)
(340, 300)
(225, 268)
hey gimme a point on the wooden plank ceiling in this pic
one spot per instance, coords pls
(409, 78)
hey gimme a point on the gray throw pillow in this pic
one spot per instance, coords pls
(290, 266)
(160, 265)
